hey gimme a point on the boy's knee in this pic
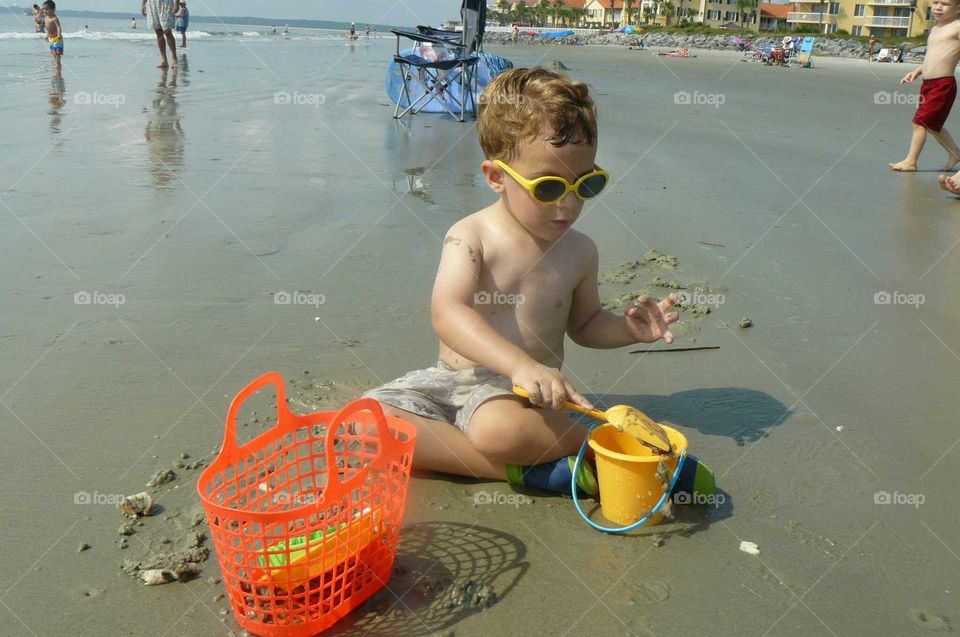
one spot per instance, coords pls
(496, 438)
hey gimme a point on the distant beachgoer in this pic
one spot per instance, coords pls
(937, 93)
(160, 18)
(38, 18)
(871, 47)
(681, 52)
(183, 21)
(368, 31)
(54, 31)
(352, 32)
(133, 23)
(286, 29)
(274, 30)
(515, 34)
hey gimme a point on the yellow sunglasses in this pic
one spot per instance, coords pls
(550, 189)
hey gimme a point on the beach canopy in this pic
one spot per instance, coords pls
(629, 29)
(558, 34)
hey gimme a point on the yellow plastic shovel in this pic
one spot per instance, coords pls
(625, 418)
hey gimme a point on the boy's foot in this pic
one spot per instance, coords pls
(949, 184)
(903, 167)
(555, 476)
(163, 65)
(952, 162)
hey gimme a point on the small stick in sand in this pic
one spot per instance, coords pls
(675, 349)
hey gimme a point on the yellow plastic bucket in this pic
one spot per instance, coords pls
(627, 473)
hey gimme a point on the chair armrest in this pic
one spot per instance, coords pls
(419, 37)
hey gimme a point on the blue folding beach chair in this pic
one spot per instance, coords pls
(439, 62)
(805, 56)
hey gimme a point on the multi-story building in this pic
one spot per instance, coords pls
(906, 18)
(773, 16)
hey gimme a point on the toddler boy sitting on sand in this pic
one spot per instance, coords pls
(514, 279)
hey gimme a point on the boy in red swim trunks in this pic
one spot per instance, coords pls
(939, 87)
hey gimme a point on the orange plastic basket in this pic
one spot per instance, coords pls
(305, 518)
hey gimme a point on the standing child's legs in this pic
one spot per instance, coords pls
(953, 153)
(936, 100)
(183, 39)
(917, 140)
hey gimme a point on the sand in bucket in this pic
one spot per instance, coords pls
(629, 474)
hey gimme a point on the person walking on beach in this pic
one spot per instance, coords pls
(133, 23)
(939, 88)
(160, 18)
(871, 47)
(183, 21)
(54, 32)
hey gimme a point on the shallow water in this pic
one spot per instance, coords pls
(200, 195)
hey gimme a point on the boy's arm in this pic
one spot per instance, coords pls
(457, 324)
(589, 325)
(468, 333)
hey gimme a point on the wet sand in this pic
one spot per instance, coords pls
(199, 198)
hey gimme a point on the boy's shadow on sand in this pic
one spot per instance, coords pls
(745, 415)
(444, 572)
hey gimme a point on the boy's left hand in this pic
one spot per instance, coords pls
(648, 319)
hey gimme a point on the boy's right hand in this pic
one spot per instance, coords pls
(547, 387)
(909, 77)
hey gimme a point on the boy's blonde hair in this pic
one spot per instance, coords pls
(521, 104)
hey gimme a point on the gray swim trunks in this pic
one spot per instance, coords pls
(160, 14)
(444, 393)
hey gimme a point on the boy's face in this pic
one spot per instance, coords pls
(539, 158)
(944, 10)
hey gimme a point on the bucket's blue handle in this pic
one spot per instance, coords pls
(641, 521)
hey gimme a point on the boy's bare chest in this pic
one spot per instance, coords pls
(544, 277)
(944, 37)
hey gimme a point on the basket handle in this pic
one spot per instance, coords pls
(387, 443)
(229, 447)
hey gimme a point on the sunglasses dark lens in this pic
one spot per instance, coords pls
(592, 186)
(549, 190)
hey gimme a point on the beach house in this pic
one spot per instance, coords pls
(906, 18)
